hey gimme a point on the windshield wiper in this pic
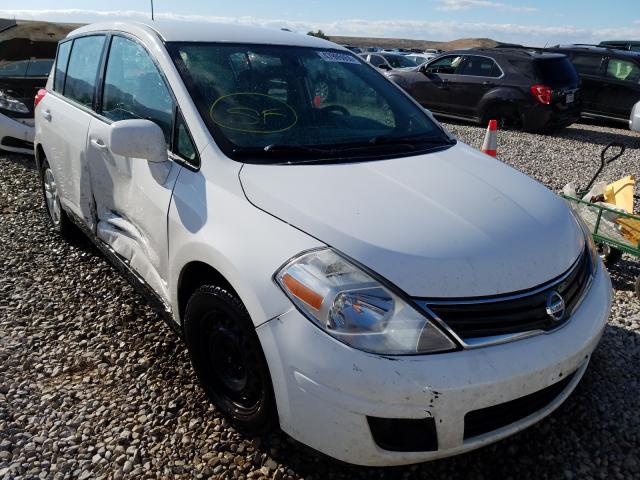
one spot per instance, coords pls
(278, 149)
(412, 140)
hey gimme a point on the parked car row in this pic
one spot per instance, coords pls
(533, 89)
(536, 91)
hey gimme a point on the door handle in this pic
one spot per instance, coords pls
(488, 84)
(46, 114)
(97, 143)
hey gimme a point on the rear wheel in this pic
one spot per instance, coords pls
(51, 194)
(507, 116)
(228, 359)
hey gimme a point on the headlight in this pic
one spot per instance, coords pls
(9, 103)
(588, 239)
(356, 309)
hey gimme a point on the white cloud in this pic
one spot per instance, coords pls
(452, 5)
(534, 35)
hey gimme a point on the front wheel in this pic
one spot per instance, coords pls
(228, 359)
(610, 255)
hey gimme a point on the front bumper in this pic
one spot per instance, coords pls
(325, 390)
(15, 135)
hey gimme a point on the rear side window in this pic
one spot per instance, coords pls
(82, 71)
(480, 67)
(134, 88)
(39, 68)
(61, 66)
(587, 64)
(623, 70)
(557, 72)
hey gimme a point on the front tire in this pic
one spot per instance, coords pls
(227, 356)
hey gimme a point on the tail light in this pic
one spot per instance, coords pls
(39, 96)
(542, 93)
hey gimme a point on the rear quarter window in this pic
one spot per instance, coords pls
(82, 70)
(62, 60)
(557, 72)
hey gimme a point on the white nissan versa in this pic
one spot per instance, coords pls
(339, 264)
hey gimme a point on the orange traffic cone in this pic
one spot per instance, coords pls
(490, 144)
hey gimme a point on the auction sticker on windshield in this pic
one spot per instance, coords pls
(338, 57)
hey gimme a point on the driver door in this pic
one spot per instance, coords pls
(132, 195)
(433, 88)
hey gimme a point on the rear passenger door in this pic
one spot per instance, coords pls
(621, 89)
(589, 67)
(66, 118)
(476, 76)
(132, 195)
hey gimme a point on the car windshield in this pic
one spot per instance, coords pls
(399, 61)
(262, 102)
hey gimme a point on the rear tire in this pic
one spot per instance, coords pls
(506, 115)
(58, 218)
(228, 359)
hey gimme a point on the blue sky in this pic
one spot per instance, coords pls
(535, 22)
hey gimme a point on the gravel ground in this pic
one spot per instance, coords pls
(94, 385)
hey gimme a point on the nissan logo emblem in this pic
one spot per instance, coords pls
(555, 306)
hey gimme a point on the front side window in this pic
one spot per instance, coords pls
(480, 67)
(62, 59)
(587, 64)
(264, 102)
(447, 65)
(376, 60)
(623, 70)
(82, 71)
(134, 88)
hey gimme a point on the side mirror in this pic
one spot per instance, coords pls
(138, 139)
(634, 121)
(384, 66)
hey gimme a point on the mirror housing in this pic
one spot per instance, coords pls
(384, 66)
(634, 121)
(138, 139)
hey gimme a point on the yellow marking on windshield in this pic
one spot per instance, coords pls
(252, 118)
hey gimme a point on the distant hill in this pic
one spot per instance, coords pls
(421, 44)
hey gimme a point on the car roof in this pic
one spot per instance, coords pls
(597, 49)
(522, 52)
(187, 31)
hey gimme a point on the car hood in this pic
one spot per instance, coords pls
(455, 223)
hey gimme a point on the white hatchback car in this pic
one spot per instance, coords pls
(348, 269)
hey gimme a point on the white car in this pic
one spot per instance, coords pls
(420, 58)
(347, 269)
(634, 120)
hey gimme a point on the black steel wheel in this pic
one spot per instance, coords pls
(228, 358)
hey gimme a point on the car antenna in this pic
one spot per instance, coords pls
(152, 19)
